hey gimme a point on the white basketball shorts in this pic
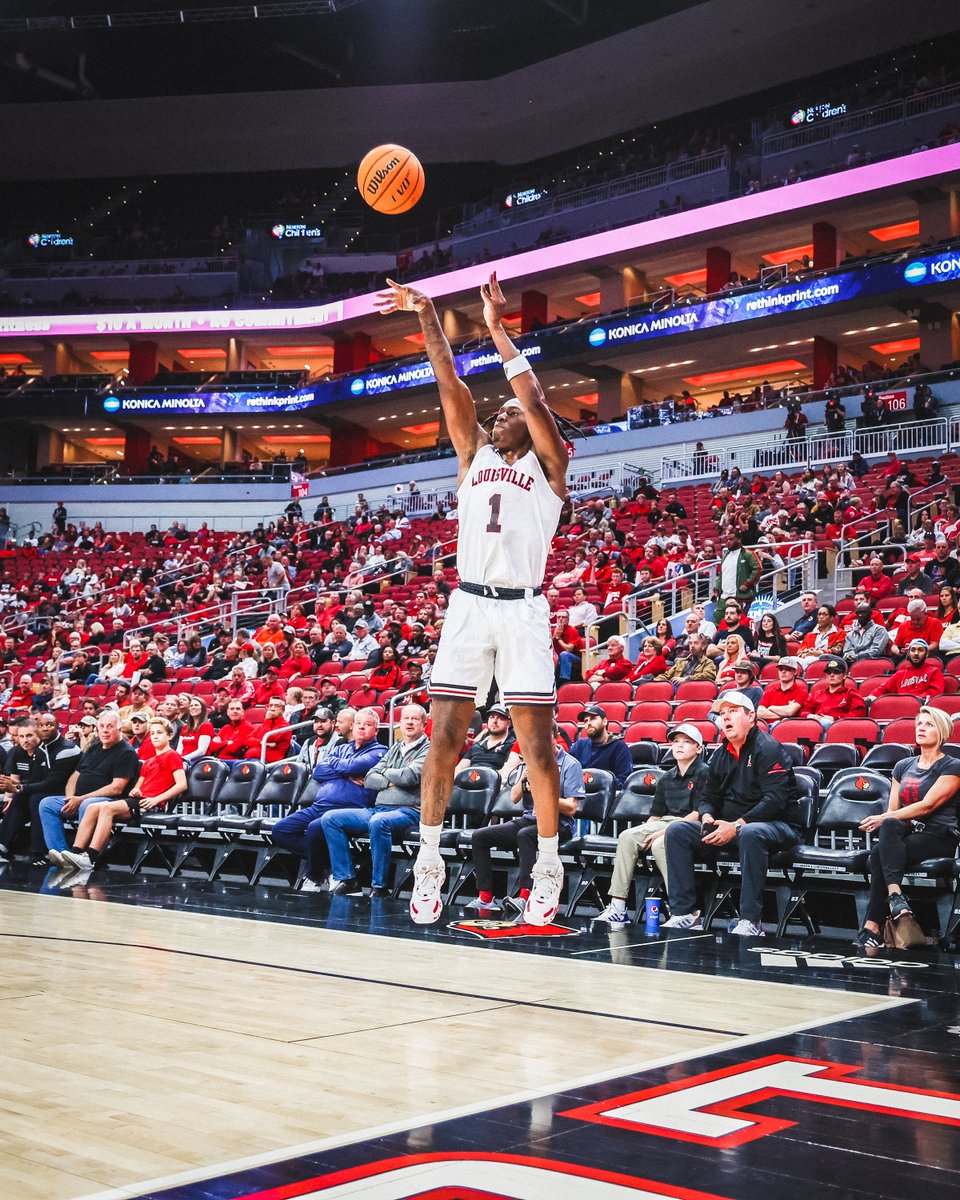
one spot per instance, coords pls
(506, 640)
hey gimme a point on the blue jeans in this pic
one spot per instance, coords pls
(301, 833)
(52, 822)
(568, 665)
(381, 824)
(754, 842)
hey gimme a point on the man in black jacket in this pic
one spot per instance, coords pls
(46, 761)
(750, 799)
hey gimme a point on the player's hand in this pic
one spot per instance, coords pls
(494, 301)
(401, 298)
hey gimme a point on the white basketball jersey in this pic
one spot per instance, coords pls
(508, 516)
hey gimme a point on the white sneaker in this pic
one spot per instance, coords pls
(56, 858)
(309, 885)
(78, 859)
(616, 918)
(544, 899)
(426, 901)
(744, 928)
(484, 906)
(686, 921)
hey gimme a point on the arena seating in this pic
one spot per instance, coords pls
(222, 825)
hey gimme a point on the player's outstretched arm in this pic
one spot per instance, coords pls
(459, 410)
(548, 445)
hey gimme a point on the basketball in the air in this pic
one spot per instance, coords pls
(390, 179)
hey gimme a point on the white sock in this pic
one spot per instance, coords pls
(548, 849)
(430, 843)
(617, 904)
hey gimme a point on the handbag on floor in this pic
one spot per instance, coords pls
(903, 933)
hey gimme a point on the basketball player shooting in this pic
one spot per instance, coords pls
(511, 485)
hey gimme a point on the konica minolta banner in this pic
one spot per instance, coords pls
(548, 346)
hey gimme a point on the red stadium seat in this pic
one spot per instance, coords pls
(858, 731)
(653, 691)
(692, 710)
(696, 689)
(948, 704)
(645, 731)
(329, 668)
(575, 693)
(612, 692)
(651, 710)
(801, 730)
(867, 668)
(569, 713)
(708, 731)
(900, 731)
(890, 708)
(814, 671)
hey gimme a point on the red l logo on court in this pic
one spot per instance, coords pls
(708, 1109)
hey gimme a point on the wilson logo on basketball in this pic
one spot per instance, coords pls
(373, 186)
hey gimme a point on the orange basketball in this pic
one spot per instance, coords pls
(390, 179)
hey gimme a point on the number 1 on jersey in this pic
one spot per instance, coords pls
(493, 525)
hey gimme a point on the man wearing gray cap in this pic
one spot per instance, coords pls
(749, 804)
(676, 798)
(918, 675)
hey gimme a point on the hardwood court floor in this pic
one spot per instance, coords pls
(144, 1042)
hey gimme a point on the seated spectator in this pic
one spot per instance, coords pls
(745, 682)
(582, 613)
(197, 732)
(113, 668)
(496, 747)
(520, 833)
(943, 569)
(268, 688)
(734, 621)
(664, 635)
(298, 662)
(364, 643)
(141, 701)
(275, 729)
(240, 687)
(807, 621)
(733, 651)
(340, 776)
(676, 798)
(249, 660)
(413, 685)
(306, 704)
(222, 664)
(396, 810)
(137, 731)
(598, 748)
(154, 669)
(770, 645)
(46, 762)
(920, 822)
(866, 637)
(614, 668)
(948, 605)
(691, 625)
(107, 770)
(834, 696)
(388, 674)
(826, 638)
(918, 675)
(694, 664)
(749, 799)
(330, 696)
(918, 625)
(162, 779)
(650, 662)
(217, 712)
(914, 577)
(321, 740)
(237, 738)
(336, 645)
(787, 696)
(877, 584)
(270, 631)
(567, 645)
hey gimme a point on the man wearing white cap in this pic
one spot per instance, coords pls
(676, 798)
(749, 804)
(511, 485)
